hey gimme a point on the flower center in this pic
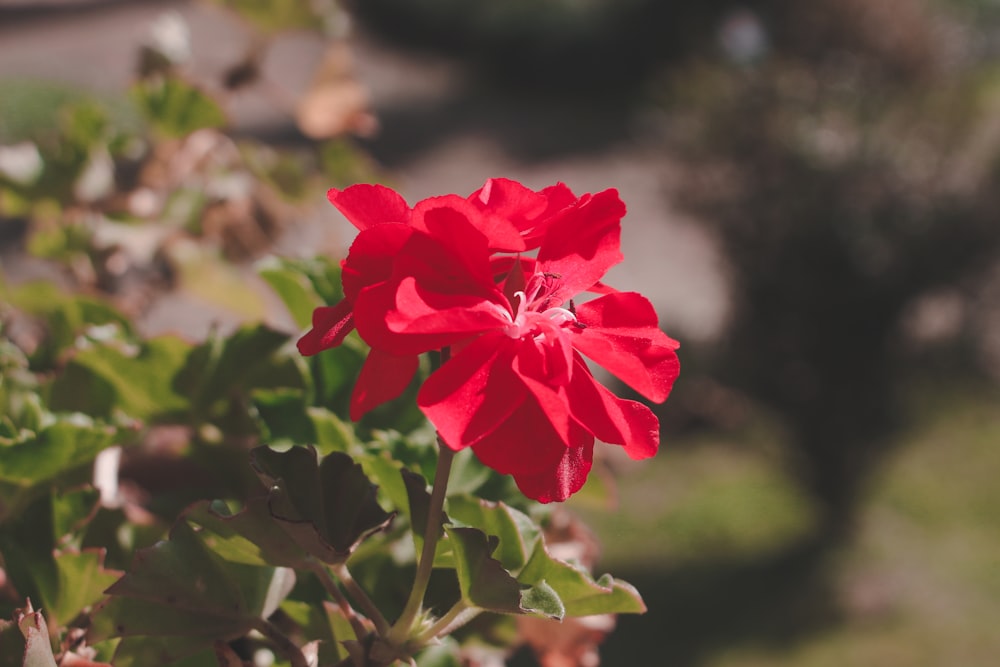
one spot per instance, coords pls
(528, 320)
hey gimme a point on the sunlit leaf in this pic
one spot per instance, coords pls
(104, 380)
(516, 532)
(67, 443)
(80, 582)
(294, 287)
(251, 536)
(483, 581)
(579, 592)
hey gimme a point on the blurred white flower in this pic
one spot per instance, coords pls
(98, 178)
(169, 35)
(21, 163)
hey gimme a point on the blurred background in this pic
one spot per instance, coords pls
(813, 193)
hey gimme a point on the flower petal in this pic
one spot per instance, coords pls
(582, 243)
(562, 480)
(473, 393)
(372, 257)
(383, 377)
(611, 419)
(621, 334)
(509, 206)
(367, 205)
(524, 443)
(330, 324)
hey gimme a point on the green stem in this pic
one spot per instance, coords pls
(456, 617)
(359, 595)
(360, 631)
(432, 532)
(282, 643)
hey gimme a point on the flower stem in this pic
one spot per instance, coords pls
(456, 617)
(432, 532)
(282, 643)
(345, 607)
(360, 597)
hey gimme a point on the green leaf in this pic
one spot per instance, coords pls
(252, 536)
(276, 15)
(69, 442)
(327, 507)
(294, 287)
(324, 622)
(482, 579)
(287, 420)
(579, 592)
(516, 532)
(103, 380)
(250, 358)
(543, 599)
(176, 108)
(180, 589)
(80, 583)
(64, 316)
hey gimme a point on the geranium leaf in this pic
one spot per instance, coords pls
(79, 583)
(516, 532)
(180, 589)
(252, 536)
(580, 593)
(66, 444)
(165, 652)
(105, 379)
(37, 645)
(287, 419)
(294, 288)
(176, 108)
(248, 359)
(327, 507)
(542, 599)
(483, 581)
(324, 622)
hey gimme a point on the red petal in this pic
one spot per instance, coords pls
(372, 257)
(383, 377)
(623, 336)
(507, 205)
(524, 443)
(330, 324)
(582, 243)
(611, 419)
(473, 393)
(455, 238)
(367, 205)
(562, 480)
(422, 311)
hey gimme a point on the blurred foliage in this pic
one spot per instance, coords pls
(845, 183)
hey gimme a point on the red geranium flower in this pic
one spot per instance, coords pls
(510, 216)
(516, 388)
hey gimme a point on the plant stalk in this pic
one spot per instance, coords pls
(400, 631)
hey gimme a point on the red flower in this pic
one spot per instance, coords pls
(516, 389)
(511, 216)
